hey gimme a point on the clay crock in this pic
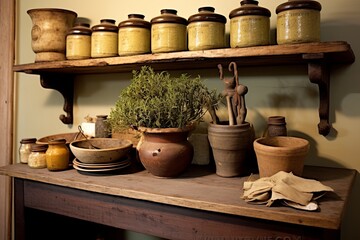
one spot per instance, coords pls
(48, 33)
(231, 147)
(280, 153)
(165, 152)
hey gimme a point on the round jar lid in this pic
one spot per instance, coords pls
(298, 4)
(80, 29)
(135, 20)
(249, 7)
(57, 141)
(28, 140)
(107, 25)
(207, 14)
(169, 16)
(39, 147)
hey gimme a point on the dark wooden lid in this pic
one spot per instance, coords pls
(28, 140)
(298, 4)
(57, 141)
(135, 20)
(107, 25)
(249, 7)
(39, 147)
(207, 14)
(169, 16)
(80, 29)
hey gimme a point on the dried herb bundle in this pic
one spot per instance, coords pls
(157, 100)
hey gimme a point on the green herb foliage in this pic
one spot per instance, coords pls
(157, 100)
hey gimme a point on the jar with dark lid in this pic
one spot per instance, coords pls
(298, 22)
(276, 126)
(104, 39)
(78, 42)
(57, 155)
(25, 149)
(206, 30)
(102, 127)
(249, 25)
(37, 158)
(168, 32)
(134, 35)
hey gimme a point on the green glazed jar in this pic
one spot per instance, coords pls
(57, 155)
(298, 22)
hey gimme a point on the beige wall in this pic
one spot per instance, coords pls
(272, 90)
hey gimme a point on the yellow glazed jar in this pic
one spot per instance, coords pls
(249, 25)
(298, 22)
(57, 155)
(78, 42)
(206, 30)
(104, 39)
(168, 32)
(134, 35)
(37, 158)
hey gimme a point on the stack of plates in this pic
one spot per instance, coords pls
(100, 167)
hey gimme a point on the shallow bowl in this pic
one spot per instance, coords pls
(109, 149)
(282, 153)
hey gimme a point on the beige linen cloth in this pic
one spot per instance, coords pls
(287, 188)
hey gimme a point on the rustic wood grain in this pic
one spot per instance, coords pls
(334, 52)
(201, 189)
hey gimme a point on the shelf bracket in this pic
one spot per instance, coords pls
(318, 72)
(65, 85)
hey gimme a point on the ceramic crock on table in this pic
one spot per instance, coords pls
(78, 42)
(298, 22)
(206, 30)
(48, 33)
(104, 39)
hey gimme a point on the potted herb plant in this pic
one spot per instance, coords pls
(164, 109)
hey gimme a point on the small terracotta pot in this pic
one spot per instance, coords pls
(50, 26)
(231, 147)
(165, 152)
(280, 153)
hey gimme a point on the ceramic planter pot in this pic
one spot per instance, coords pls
(48, 34)
(280, 153)
(165, 152)
(231, 147)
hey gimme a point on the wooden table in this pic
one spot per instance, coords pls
(196, 205)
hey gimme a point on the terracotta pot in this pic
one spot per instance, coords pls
(165, 152)
(231, 146)
(50, 26)
(280, 153)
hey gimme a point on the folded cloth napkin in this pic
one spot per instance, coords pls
(285, 187)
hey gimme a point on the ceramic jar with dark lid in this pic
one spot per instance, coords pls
(78, 42)
(104, 39)
(134, 35)
(168, 32)
(206, 30)
(25, 149)
(298, 22)
(249, 25)
(37, 158)
(57, 155)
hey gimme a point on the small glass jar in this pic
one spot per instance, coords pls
(25, 149)
(37, 158)
(102, 127)
(276, 126)
(298, 22)
(78, 42)
(206, 30)
(168, 32)
(57, 155)
(249, 25)
(104, 39)
(134, 35)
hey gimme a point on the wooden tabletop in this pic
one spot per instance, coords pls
(200, 188)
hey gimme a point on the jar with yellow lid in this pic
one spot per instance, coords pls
(134, 35)
(206, 30)
(78, 42)
(37, 158)
(249, 25)
(57, 155)
(25, 149)
(104, 39)
(168, 32)
(298, 22)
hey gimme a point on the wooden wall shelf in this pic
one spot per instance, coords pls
(318, 56)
